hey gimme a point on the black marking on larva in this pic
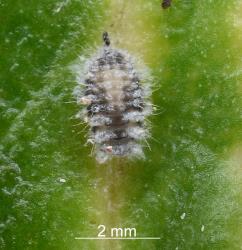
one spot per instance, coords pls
(119, 58)
(101, 62)
(116, 104)
(133, 108)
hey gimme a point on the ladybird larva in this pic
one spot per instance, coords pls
(116, 104)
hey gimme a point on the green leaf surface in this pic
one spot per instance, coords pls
(187, 191)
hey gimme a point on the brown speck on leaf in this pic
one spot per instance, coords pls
(166, 4)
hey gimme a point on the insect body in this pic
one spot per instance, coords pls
(115, 104)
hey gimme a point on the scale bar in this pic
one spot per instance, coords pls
(117, 238)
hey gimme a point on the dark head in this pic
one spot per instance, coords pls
(106, 38)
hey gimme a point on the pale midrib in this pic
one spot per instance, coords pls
(126, 29)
